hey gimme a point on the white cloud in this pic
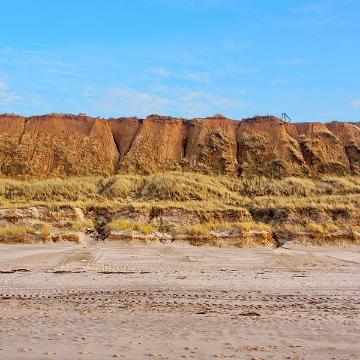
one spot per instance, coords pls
(7, 96)
(202, 103)
(167, 101)
(128, 102)
(355, 103)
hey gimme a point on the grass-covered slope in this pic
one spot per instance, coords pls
(196, 206)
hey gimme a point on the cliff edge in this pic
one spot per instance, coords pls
(69, 145)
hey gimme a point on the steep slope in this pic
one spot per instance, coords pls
(322, 149)
(11, 130)
(349, 137)
(210, 146)
(156, 146)
(58, 145)
(266, 147)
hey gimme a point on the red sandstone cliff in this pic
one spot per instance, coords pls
(63, 145)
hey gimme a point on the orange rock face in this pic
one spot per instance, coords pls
(65, 145)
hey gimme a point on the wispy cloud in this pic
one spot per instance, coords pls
(355, 103)
(129, 102)
(159, 71)
(6, 95)
(179, 102)
(38, 52)
(204, 103)
(294, 61)
(195, 76)
(201, 77)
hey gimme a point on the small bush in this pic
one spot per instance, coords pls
(46, 231)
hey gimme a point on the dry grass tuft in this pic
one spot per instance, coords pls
(82, 225)
(129, 225)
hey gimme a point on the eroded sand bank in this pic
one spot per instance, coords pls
(103, 300)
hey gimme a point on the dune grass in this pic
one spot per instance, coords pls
(174, 187)
(190, 190)
(310, 205)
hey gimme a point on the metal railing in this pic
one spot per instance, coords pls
(285, 118)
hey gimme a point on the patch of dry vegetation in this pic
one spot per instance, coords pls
(130, 225)
(82, 225)
(16, 230)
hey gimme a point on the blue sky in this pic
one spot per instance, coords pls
(185, 58)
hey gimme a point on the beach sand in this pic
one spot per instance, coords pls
(105, 300)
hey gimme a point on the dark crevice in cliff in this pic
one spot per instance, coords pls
(353, 154)
(183, 148)
(237, 150)
(23, 131)
(118, 149)
(308, 153)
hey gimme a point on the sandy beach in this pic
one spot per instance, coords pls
(103, 300)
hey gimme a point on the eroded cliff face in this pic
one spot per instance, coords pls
(56, 145)
(210, 146)
(64, 145)
(156, 146)
(267, 146)
(322, 149)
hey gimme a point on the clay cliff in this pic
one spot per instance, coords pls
(65, 145)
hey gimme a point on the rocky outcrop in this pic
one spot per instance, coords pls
(64, 145)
